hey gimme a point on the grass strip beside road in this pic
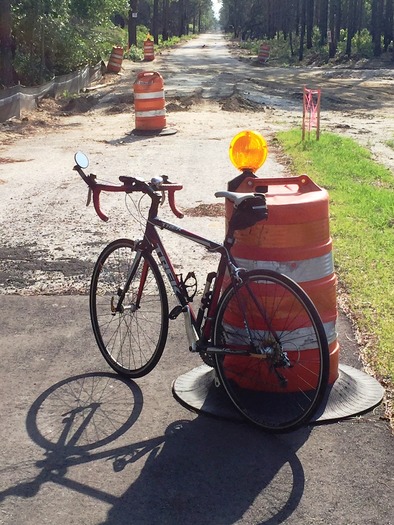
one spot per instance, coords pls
(362, 227)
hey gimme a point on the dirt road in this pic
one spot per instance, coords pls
(358, 101)
(50, 240)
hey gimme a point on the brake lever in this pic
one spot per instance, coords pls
(89, 199)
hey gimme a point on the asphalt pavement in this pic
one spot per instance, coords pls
(81, 446)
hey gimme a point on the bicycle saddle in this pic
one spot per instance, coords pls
(237, 198)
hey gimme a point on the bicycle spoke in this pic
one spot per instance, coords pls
(281, 382)
(129, 308)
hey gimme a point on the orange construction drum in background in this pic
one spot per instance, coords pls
(295, 241)
(264, 53)
(149, 49)
(115, 60)
(149, 102)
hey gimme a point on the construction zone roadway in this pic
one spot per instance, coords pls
(82, 446)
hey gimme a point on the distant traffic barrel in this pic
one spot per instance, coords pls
(295, 241)
(149, 49)
(264, 53)
(115, 60)
(149, 102)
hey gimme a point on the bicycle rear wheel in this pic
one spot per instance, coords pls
(281, 382)
(131, 335)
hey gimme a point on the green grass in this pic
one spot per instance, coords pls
(362, 226)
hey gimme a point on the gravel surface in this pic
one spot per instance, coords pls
(50, 240)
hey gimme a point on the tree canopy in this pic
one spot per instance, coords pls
(43, 38)
(313, 22)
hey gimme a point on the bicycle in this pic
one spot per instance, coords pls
(258, 329)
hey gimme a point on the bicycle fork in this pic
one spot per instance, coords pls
(119, 307)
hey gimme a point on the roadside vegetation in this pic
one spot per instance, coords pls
(362, 226)
(282, 53)
(321, 26)
(45, 38)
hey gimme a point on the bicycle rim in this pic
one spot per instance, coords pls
(280, 384)
(132, 335)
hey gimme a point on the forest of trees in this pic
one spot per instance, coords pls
(43, 38)
(314, 23)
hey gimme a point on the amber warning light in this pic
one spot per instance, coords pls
(248, 151)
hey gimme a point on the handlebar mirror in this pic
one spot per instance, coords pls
(81, 160)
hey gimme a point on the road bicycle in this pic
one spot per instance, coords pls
(258, 329)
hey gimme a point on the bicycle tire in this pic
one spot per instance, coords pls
(276, 394)
(132, 339)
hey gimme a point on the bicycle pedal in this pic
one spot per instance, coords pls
(175, 312)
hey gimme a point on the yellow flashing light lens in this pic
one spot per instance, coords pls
(248, 151)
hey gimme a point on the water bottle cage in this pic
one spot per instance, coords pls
(188, 285)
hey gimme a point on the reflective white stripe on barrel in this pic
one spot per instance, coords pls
(295, 340)
(147, 96)
(153, 113)
(300, 271)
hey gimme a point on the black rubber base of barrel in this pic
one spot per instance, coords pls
(154, 132)
(353, 393)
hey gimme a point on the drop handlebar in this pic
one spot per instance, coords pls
(130, 185)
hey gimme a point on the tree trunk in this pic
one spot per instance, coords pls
(302, 30)
(297, 16)
(351, 26)
(309, 10)
(155, 21)
(323, 21)
(6, 44)
(377, 26)
(333, 23)
(181, 20)
(291, 43)
(132, 26)
(165, 20)
(388, 24)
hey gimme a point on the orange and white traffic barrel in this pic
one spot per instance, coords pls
(295, 241)
(149, 102)
(149, 50)
(264, 53)
(115, 60)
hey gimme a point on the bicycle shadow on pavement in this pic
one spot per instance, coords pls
(201, 471)
(71, 419)
(212, 471)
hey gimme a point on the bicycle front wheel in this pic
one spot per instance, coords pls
(280, 380)
(128, 308)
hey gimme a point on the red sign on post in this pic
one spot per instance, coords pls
(311, 111)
